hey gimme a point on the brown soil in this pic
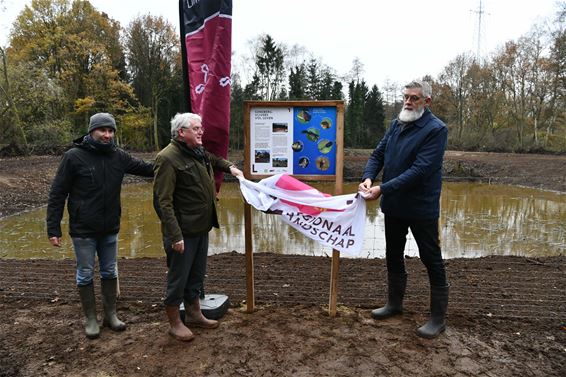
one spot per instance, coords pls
(507, 315)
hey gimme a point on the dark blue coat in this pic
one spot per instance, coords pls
(411, 159)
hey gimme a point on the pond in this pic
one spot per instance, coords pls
(476, 220)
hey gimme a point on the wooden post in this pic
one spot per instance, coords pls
(334, 283)
(250, 296)
(335, 268)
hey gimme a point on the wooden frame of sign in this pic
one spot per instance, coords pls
(266, 112)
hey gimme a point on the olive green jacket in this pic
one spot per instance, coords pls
(184, 191)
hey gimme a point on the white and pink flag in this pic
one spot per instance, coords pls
(335, 221)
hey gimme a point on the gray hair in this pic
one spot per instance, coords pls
(185, 120)
(423, 85)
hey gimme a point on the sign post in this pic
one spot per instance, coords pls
(300, 138)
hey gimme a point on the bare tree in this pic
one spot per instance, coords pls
(454, 79)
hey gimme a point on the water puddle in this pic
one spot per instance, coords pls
(477, 220)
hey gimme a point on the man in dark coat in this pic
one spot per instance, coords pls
(185, 198)
(89, 178)
(411, 154)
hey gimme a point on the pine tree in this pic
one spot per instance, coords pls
(297, 82)
(374, 118)
(236, 114)
(270, 68)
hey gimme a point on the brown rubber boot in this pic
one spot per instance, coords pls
(195, 318)
(178, 330)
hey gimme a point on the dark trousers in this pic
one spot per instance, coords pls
(185, 276)
(428, 242)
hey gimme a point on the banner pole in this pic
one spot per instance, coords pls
(186, 104)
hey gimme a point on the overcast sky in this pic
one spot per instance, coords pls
(395, 40)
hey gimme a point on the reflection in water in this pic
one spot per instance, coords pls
(476, 220)
(482, 220)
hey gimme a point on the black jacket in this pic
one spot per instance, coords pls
(91, 178)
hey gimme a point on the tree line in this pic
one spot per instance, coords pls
(66, 61)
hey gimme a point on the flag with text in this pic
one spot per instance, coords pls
(335, 221)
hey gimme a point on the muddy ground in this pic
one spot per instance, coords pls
(507, 315)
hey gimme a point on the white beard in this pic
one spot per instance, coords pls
(409, 116)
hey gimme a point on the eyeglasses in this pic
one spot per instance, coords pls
(196, 130)
(409, 98)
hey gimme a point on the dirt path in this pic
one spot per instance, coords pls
(506, 318)
(507, 315)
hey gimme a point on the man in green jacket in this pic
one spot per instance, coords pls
(186, 203)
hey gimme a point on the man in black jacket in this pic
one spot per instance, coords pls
(90, 178)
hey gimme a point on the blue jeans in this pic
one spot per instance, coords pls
(428, 242)
(85, 251)
(185, 277)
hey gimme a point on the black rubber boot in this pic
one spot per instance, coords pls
(438, 306)
(108, 287)
(397, 282)
(88, 302)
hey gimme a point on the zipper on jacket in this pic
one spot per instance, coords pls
(104, 191)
